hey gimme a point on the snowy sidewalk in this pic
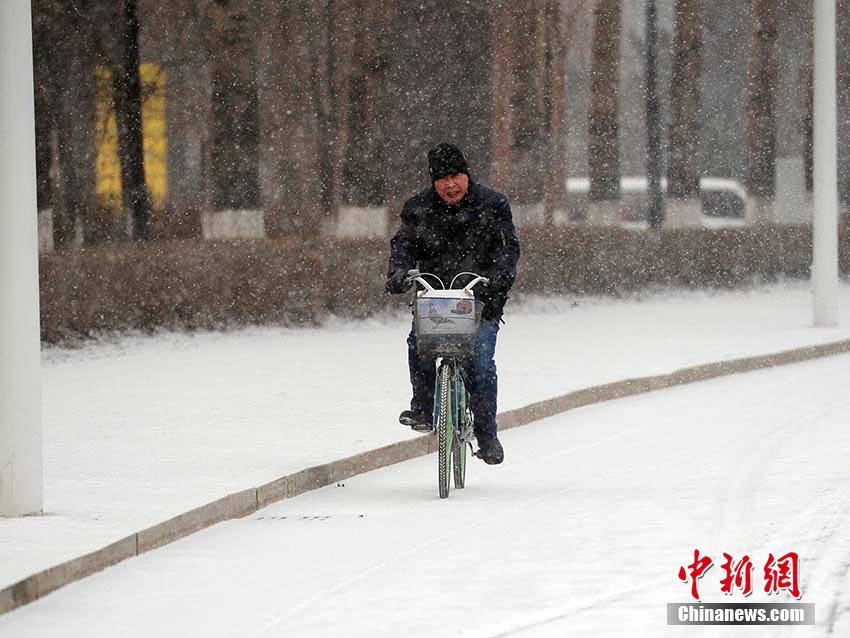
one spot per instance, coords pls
(138, 431)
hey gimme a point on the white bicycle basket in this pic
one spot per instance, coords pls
(446, 323)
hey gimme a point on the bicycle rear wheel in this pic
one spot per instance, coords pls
(459, 441)
(445, 428)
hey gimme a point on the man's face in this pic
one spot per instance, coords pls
(452, 188)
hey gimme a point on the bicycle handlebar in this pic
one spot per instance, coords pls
(415, 275)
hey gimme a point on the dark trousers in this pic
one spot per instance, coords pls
(479, 375)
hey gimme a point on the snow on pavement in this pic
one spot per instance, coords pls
(141, 429)
(580, 532)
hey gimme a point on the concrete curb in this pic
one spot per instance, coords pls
(248, 501)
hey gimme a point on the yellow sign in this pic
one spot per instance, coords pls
(154, 138)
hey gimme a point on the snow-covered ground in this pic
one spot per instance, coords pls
(580, 533)
(139, 430)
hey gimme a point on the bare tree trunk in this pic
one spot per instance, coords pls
(331, 82)
(176, 31)
(528, 102)
(65, 55)
(809, 119)
(603, 129)
(276, 116)
(344, 38)
(655, 199)
(555, 189)
(684, 207)
(809, 128)
(761, 130)
(503, 16)
(127, 89)
(72, 184)
(291, 173)
(365, 165)
(44, 90)
(842, 17)
(323, 63)
(235, 135)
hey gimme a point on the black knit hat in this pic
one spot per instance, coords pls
(446, 159)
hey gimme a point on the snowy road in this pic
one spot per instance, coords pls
(140, 429)
(580, 532)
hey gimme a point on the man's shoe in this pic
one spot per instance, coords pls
(490, 451)
(416, 421)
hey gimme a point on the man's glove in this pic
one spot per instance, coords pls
(397, 283)
(499, 283)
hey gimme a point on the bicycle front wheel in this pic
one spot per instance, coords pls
(445, 428)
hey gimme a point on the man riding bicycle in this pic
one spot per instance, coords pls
(457, 225)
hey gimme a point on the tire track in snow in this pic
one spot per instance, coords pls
(560, 613)
(280, 618)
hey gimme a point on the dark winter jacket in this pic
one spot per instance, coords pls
(475, 235)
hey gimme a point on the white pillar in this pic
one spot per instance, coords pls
(20, 375)
(825, 221)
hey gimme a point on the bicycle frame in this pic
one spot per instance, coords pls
(452, 417)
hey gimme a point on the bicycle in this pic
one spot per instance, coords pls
(446, 323)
